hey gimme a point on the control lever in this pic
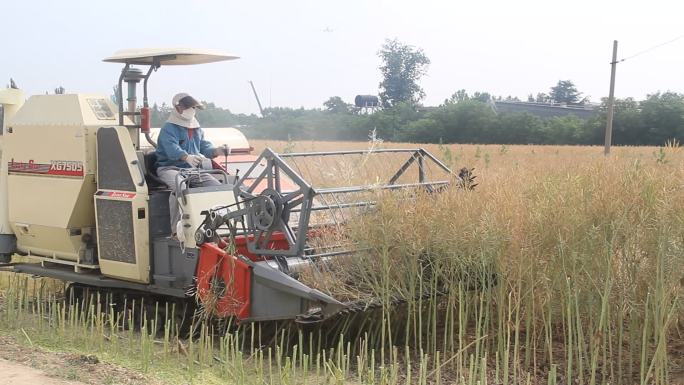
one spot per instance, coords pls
(142, 172)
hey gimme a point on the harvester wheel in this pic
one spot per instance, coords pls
(5, 258)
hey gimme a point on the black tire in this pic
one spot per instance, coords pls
(5, 258)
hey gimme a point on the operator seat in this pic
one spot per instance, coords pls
(153, 181)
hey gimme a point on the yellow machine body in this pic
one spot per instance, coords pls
(50, 154)
(10, 101)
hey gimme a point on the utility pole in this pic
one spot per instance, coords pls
(261, 110)
(611, 101)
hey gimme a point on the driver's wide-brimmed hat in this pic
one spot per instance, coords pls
(186, 101)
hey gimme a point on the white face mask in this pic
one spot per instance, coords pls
(188, 114)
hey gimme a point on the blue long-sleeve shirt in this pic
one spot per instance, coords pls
(176, 141)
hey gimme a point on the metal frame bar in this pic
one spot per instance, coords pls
(119, 95)
(347, 152)
(301, 201)
(405, 167)
(437, 162)
(153, 67)
(352, 189)
(338, 206)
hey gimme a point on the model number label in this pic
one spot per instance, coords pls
(66, 165)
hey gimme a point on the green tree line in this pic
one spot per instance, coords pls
(461, 119)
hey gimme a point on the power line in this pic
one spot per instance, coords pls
(651, 49)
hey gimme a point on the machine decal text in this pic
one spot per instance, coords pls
(55, 167)
(116, 194)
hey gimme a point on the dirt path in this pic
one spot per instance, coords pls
(23, 365)
(17, 374)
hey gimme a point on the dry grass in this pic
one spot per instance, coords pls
(587, 254)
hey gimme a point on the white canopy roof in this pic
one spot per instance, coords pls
(169, 56)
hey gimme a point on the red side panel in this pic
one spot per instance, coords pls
(278, 242)
(223, 282)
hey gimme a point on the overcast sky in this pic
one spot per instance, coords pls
(299, 53)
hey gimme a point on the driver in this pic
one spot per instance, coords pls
(181, 145)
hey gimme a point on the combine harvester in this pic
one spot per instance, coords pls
(79, 199)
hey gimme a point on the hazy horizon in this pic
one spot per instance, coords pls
(300, 53)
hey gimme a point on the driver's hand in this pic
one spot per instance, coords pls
(194, 160)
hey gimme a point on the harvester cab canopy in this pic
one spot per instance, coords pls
(153, 58)
(169, 56)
